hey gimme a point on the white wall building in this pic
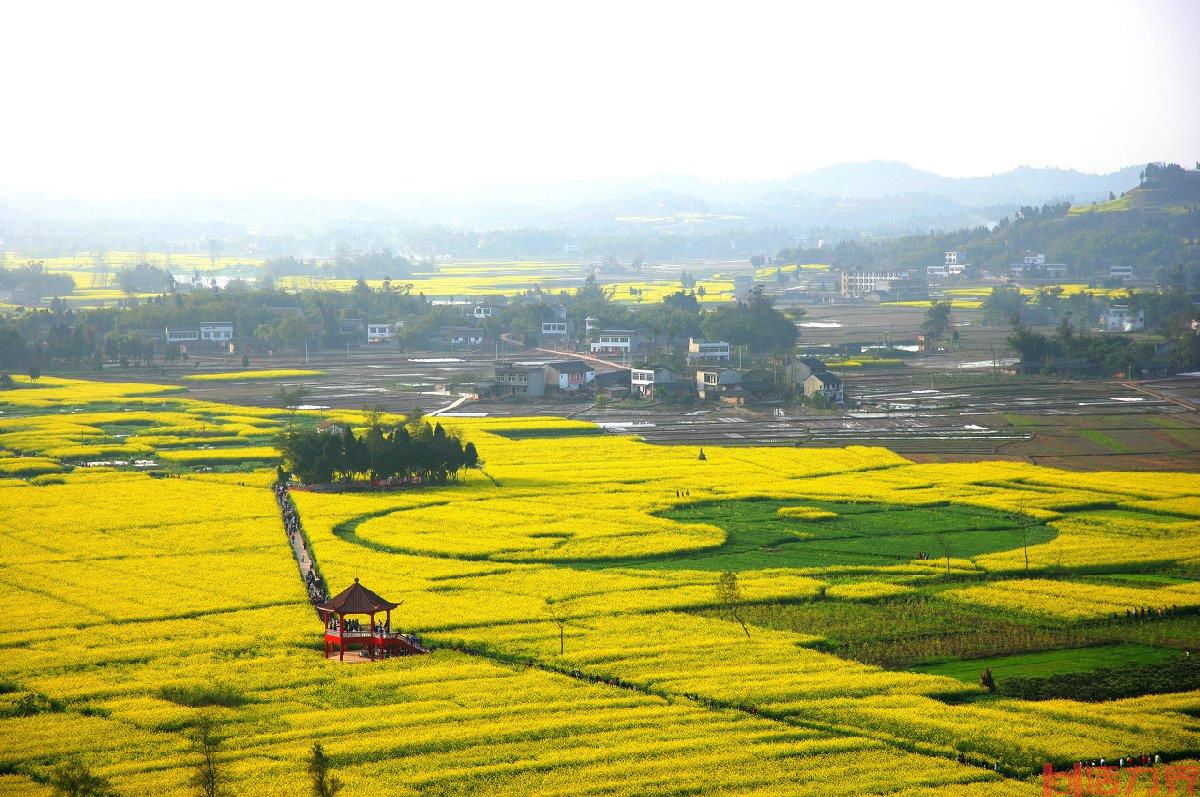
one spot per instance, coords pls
(859, 282)
(216, 331)
(643, 380)
(180, 335)
(703, 351)
(1119, 318)
(613, 341)
(1036, 265)
(380, 333)
(952, 266)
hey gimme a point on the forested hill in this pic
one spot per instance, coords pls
(1154, 227)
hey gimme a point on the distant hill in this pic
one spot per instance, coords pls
(1163, 188)
(882, 197)
(1151, 227)
(1022, 186)
(659, 217)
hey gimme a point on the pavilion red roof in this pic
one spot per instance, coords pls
(357, 599)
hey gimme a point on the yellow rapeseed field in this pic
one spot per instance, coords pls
(580, 647)
(234, 376)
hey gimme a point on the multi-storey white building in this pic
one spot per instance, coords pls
(701, 352)
(614, 341)
(859, 282)
(1119, 318)
(951, 266)
(379, 332)
(643, 380)
(555, 328)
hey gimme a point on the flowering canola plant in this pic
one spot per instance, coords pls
(570, 654)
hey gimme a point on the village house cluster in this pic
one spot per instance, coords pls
(707, 376)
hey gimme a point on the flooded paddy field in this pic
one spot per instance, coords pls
(396, 381)
(1100, 425)
(880, 325)
(933, 409)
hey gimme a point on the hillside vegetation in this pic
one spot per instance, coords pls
(1153, 227)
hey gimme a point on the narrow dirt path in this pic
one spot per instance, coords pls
(564, 355)
(1142, 389)
(458, 402)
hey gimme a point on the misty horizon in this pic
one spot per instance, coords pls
(650, 182)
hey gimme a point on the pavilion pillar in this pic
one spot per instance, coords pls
(371, 639)
(341, 637)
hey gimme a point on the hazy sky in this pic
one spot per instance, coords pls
(119, 99)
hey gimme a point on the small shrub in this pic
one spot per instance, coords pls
(36, 703)
(196, 696)
(73, 779)
(94, 711)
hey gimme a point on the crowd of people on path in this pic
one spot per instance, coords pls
(1157, 612)
(291, 523)
(1142, 760)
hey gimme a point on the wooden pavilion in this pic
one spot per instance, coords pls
(374, 638)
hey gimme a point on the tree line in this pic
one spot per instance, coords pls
(414, 453)
(1110, 355)
(73, 337)
(31, 282)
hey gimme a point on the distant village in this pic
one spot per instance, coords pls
(564, 345)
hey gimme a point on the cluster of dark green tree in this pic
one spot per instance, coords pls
(145, 278)
(1156, 230)
(31, 282)
(753, 324)
(15, 353)
(345, 264)
(1070, 350)
(413, 453)
(1180, 674)
(1007, 305)
(283, 320)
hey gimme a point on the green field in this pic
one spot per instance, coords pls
(1050, 662)
(861, 534)
(1105, 441)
